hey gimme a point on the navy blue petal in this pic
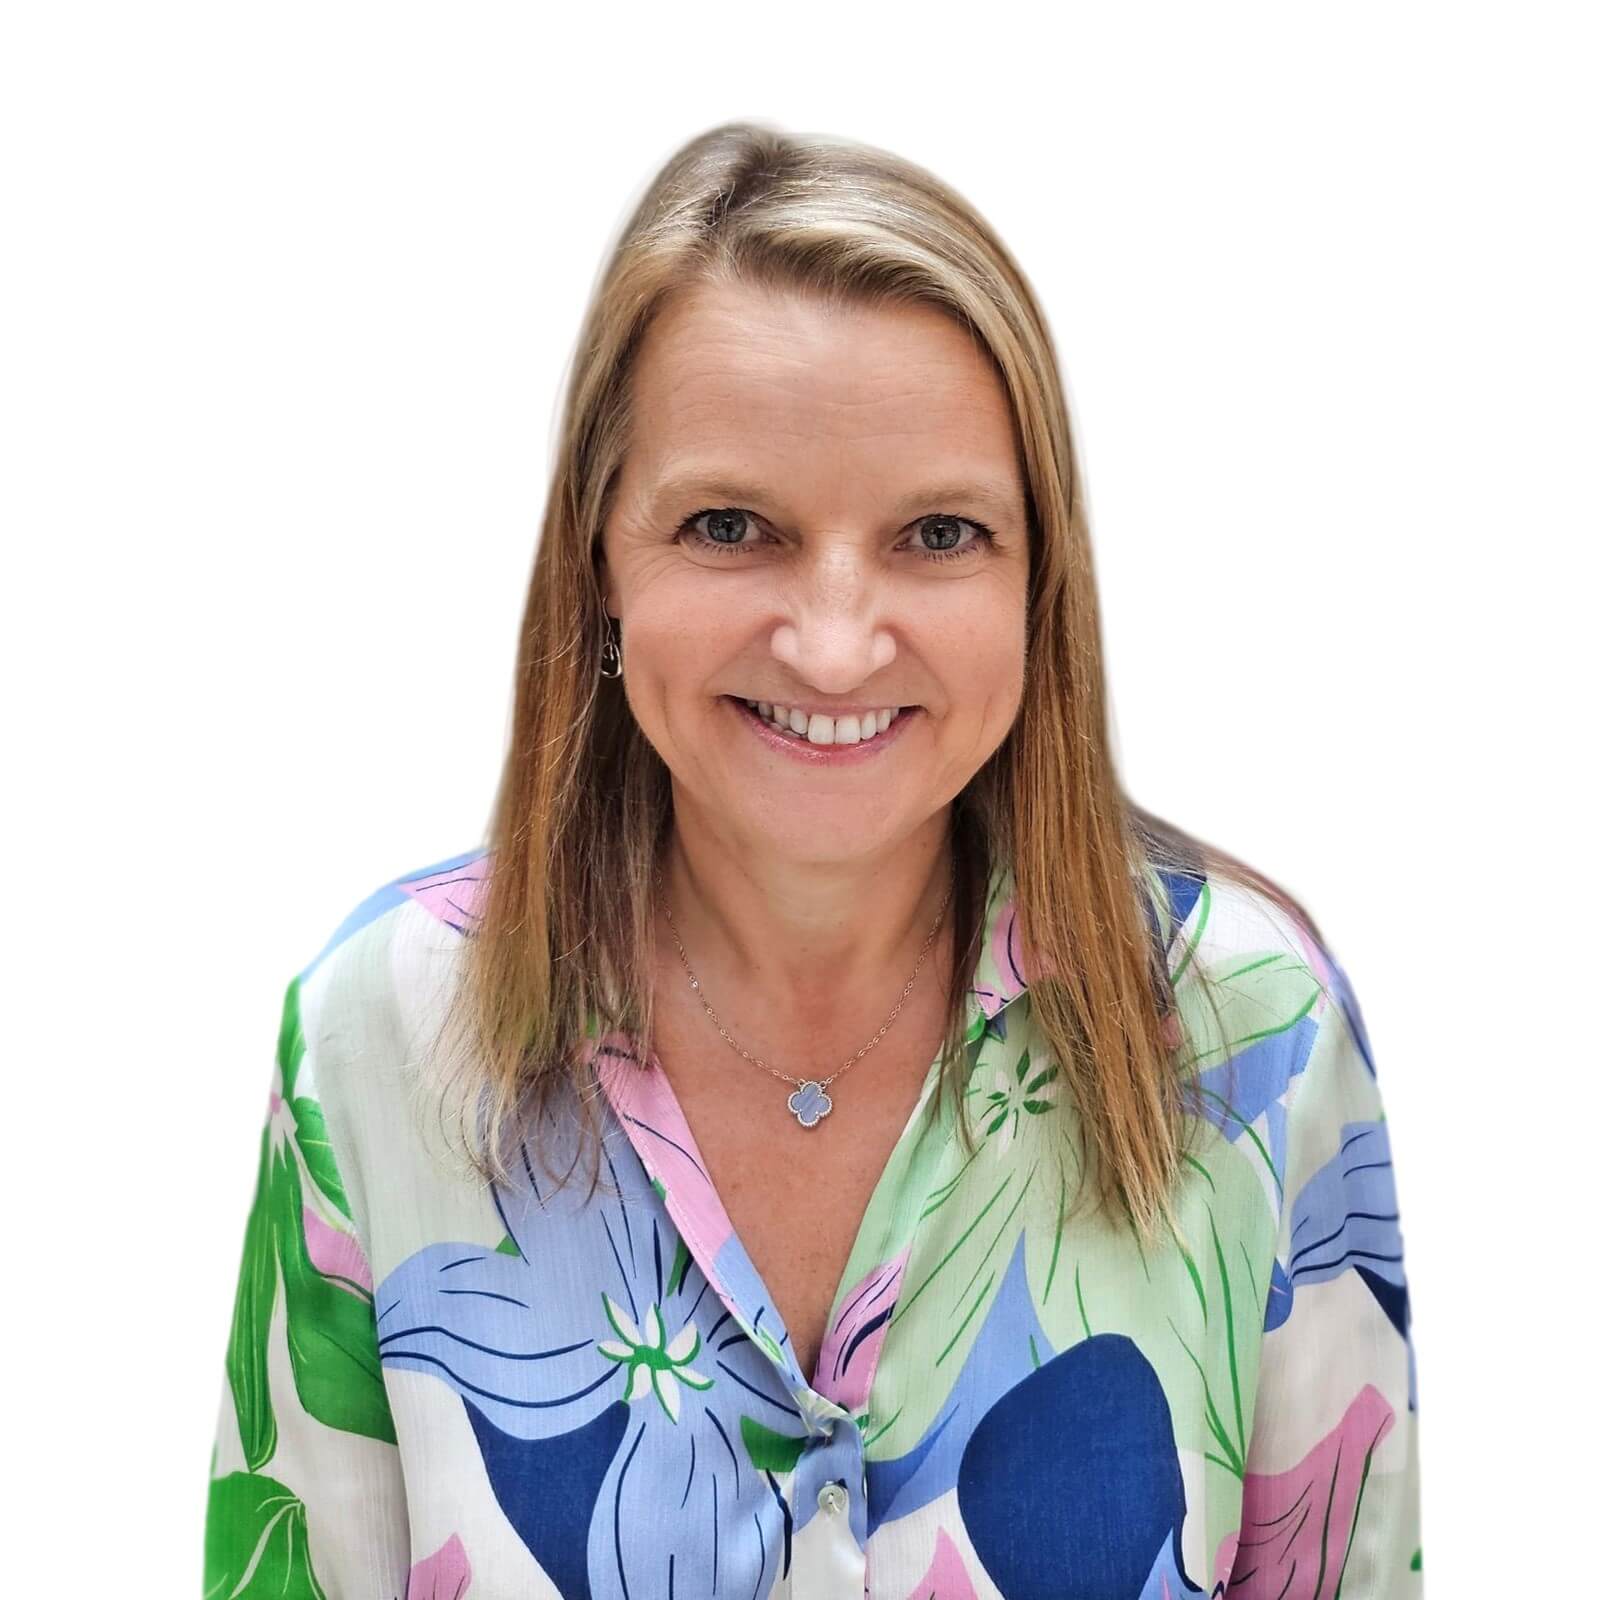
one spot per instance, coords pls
(1070, 1486)
(548, 1489)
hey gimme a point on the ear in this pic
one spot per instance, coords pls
(604, 578)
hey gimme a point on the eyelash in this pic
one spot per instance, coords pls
(985, 536)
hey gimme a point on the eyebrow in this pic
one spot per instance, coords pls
(736, 492)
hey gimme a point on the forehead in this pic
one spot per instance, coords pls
(739, 376)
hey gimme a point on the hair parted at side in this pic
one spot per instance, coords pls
(558, 954)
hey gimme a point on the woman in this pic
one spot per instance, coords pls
(989, 1190)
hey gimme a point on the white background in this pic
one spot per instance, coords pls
(291, 297)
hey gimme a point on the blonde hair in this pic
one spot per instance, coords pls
(559, 951)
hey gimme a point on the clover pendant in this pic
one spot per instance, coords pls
(810, 1103)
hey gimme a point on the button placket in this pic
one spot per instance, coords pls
(829, 1561)
(833, 1498)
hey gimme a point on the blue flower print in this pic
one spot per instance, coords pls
(1347, 1219)
(653, 1365)
(1070, 1484)
(596, 1363)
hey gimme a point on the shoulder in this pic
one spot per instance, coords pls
(1250, 918)
(1222, 927)
(446, 892)
(1272, 1017)
(363, 1011)
(1257, 985)
(378, 978)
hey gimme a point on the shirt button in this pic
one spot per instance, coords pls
(832, 1497)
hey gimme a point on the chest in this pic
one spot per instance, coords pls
(796, 1196)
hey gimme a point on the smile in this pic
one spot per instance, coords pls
(805, 748)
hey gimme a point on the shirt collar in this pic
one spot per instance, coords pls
(1167, 896)
(452, 891)
(1001, 974)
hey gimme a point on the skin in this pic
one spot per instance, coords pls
(803, 895)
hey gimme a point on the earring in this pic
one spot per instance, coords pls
(611, 650)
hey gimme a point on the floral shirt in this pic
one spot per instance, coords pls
(434, 1387)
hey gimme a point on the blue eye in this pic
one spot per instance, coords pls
(984, 535)
(717, 547)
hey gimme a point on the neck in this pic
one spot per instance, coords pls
(785, 944)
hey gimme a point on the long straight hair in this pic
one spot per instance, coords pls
(560, 951)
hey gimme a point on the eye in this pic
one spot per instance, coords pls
(728, 520)
(985, 536)
(733, 520)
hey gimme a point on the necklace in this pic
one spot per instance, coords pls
(810, 1101)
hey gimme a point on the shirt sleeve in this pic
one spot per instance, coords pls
(1331, 1499)
(306, 1496)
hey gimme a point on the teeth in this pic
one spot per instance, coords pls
(825, 730)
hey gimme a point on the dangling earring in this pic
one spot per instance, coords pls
(611, 650)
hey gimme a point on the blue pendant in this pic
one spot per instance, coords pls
(810, 1103)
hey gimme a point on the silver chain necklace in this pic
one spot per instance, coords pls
(810, 1101)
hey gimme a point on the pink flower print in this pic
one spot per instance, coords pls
(454, 895)
(1296, 1526)
(335, 1254)
(946, 1577)
(849, 1351)
(643, 1097)
(1009, 977)
(445, 1575)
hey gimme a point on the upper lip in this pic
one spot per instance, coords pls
(860, 709)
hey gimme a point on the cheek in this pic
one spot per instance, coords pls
(670, 672)
(982, 668)
(671, 641)
(989, 699)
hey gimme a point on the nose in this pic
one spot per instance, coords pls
(833, 636)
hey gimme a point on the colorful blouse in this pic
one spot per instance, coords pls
(434, 1387)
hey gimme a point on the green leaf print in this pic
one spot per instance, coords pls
(769, 1451)
(997, 1194)
(311, 1135)
(1224, 1399)
(291, 1040)
(1195, 1316)
(333, 1342)
(1256, 994)
(311, 1129)
(246, 1359)
(256, 1542)
(332, 1339)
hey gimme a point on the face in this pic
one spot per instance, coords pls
(823, 511)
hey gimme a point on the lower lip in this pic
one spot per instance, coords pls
(824, 755)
